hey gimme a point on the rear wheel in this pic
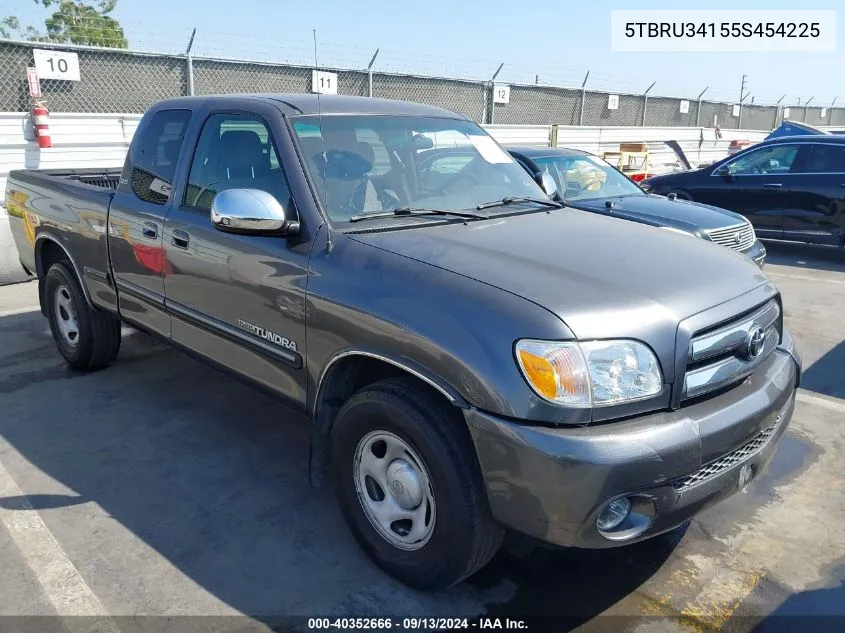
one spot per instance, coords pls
(86, 338)
(409, 485)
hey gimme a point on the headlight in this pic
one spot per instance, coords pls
(593, 373)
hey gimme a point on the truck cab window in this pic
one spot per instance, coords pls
(234, 151)
(150, 167)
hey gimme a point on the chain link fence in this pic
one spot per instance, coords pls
(119, 81)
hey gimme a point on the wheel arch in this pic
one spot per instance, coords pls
(49, 250)
(347, 372)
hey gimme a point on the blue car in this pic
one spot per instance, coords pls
(584, 181)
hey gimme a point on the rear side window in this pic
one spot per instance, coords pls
(826, 159)
(150, 166)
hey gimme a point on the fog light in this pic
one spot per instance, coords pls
(614, 513)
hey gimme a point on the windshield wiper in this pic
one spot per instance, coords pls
(504, 202)
(406, 211)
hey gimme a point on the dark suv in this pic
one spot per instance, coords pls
(790, 188)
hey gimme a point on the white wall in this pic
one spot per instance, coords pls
(699, 144)
(79, 140)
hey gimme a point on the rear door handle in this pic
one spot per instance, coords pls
(772, 185)
(180, 239)
(150, 230)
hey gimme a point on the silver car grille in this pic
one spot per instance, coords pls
(728, 353)
(738, 237)
(717, 467)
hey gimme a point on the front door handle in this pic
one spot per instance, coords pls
(150, 230)
(180, 239)
(773, 185)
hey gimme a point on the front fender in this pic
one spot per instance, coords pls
(457, 333)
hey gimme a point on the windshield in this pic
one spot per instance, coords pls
(367, 164)
(587, 177)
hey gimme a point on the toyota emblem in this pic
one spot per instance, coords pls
(754, 344)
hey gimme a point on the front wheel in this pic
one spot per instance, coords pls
(409, 485)
(86, 337)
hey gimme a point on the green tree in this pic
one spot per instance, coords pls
(74, 22)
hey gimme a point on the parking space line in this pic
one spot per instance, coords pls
(23, 310)
(805, 277)
(61, 581)
(827, 403)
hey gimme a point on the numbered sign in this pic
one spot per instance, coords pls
(612, 102)
(823, 113)
(736, 110)
(324, 83)
(501, 94)
(684, 107)
(786, 113)
(56, 65)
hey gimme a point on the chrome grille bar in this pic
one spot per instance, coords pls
(731, 369)
(733, 335)
(738, 237)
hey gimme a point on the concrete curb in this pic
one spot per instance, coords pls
(10, 265)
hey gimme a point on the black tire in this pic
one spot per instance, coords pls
(464, 536)
(98, 339)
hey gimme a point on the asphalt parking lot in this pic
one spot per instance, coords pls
(158, 487)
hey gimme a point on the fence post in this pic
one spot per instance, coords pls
(645, 100)
(807, 103)
(583, 96)
(370, 74)
(698, 112)
(777, 111)
(830, 113)
(490, 97)
(190, 64)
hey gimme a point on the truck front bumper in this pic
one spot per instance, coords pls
(553, 483)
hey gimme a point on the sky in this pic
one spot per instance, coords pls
(552, 43)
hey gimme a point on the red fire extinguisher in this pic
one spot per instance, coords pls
(41, 122)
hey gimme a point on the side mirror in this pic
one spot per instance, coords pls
(251, 211)
(548, 184)
(724, 172)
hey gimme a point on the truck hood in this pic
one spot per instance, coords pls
(659, 210)
(603, 277)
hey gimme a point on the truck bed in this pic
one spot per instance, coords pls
(69, 207)
(102, 178)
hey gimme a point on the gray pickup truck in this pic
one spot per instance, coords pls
(473, 356)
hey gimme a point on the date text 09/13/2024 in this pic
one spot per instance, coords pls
(417, 624)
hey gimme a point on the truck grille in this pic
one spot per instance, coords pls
(738, 237)
(721, 356)
(717, 467)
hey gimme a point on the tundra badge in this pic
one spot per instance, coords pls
(268, 335)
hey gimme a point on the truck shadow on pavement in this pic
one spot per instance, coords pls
(827, 375)
(211, 476)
